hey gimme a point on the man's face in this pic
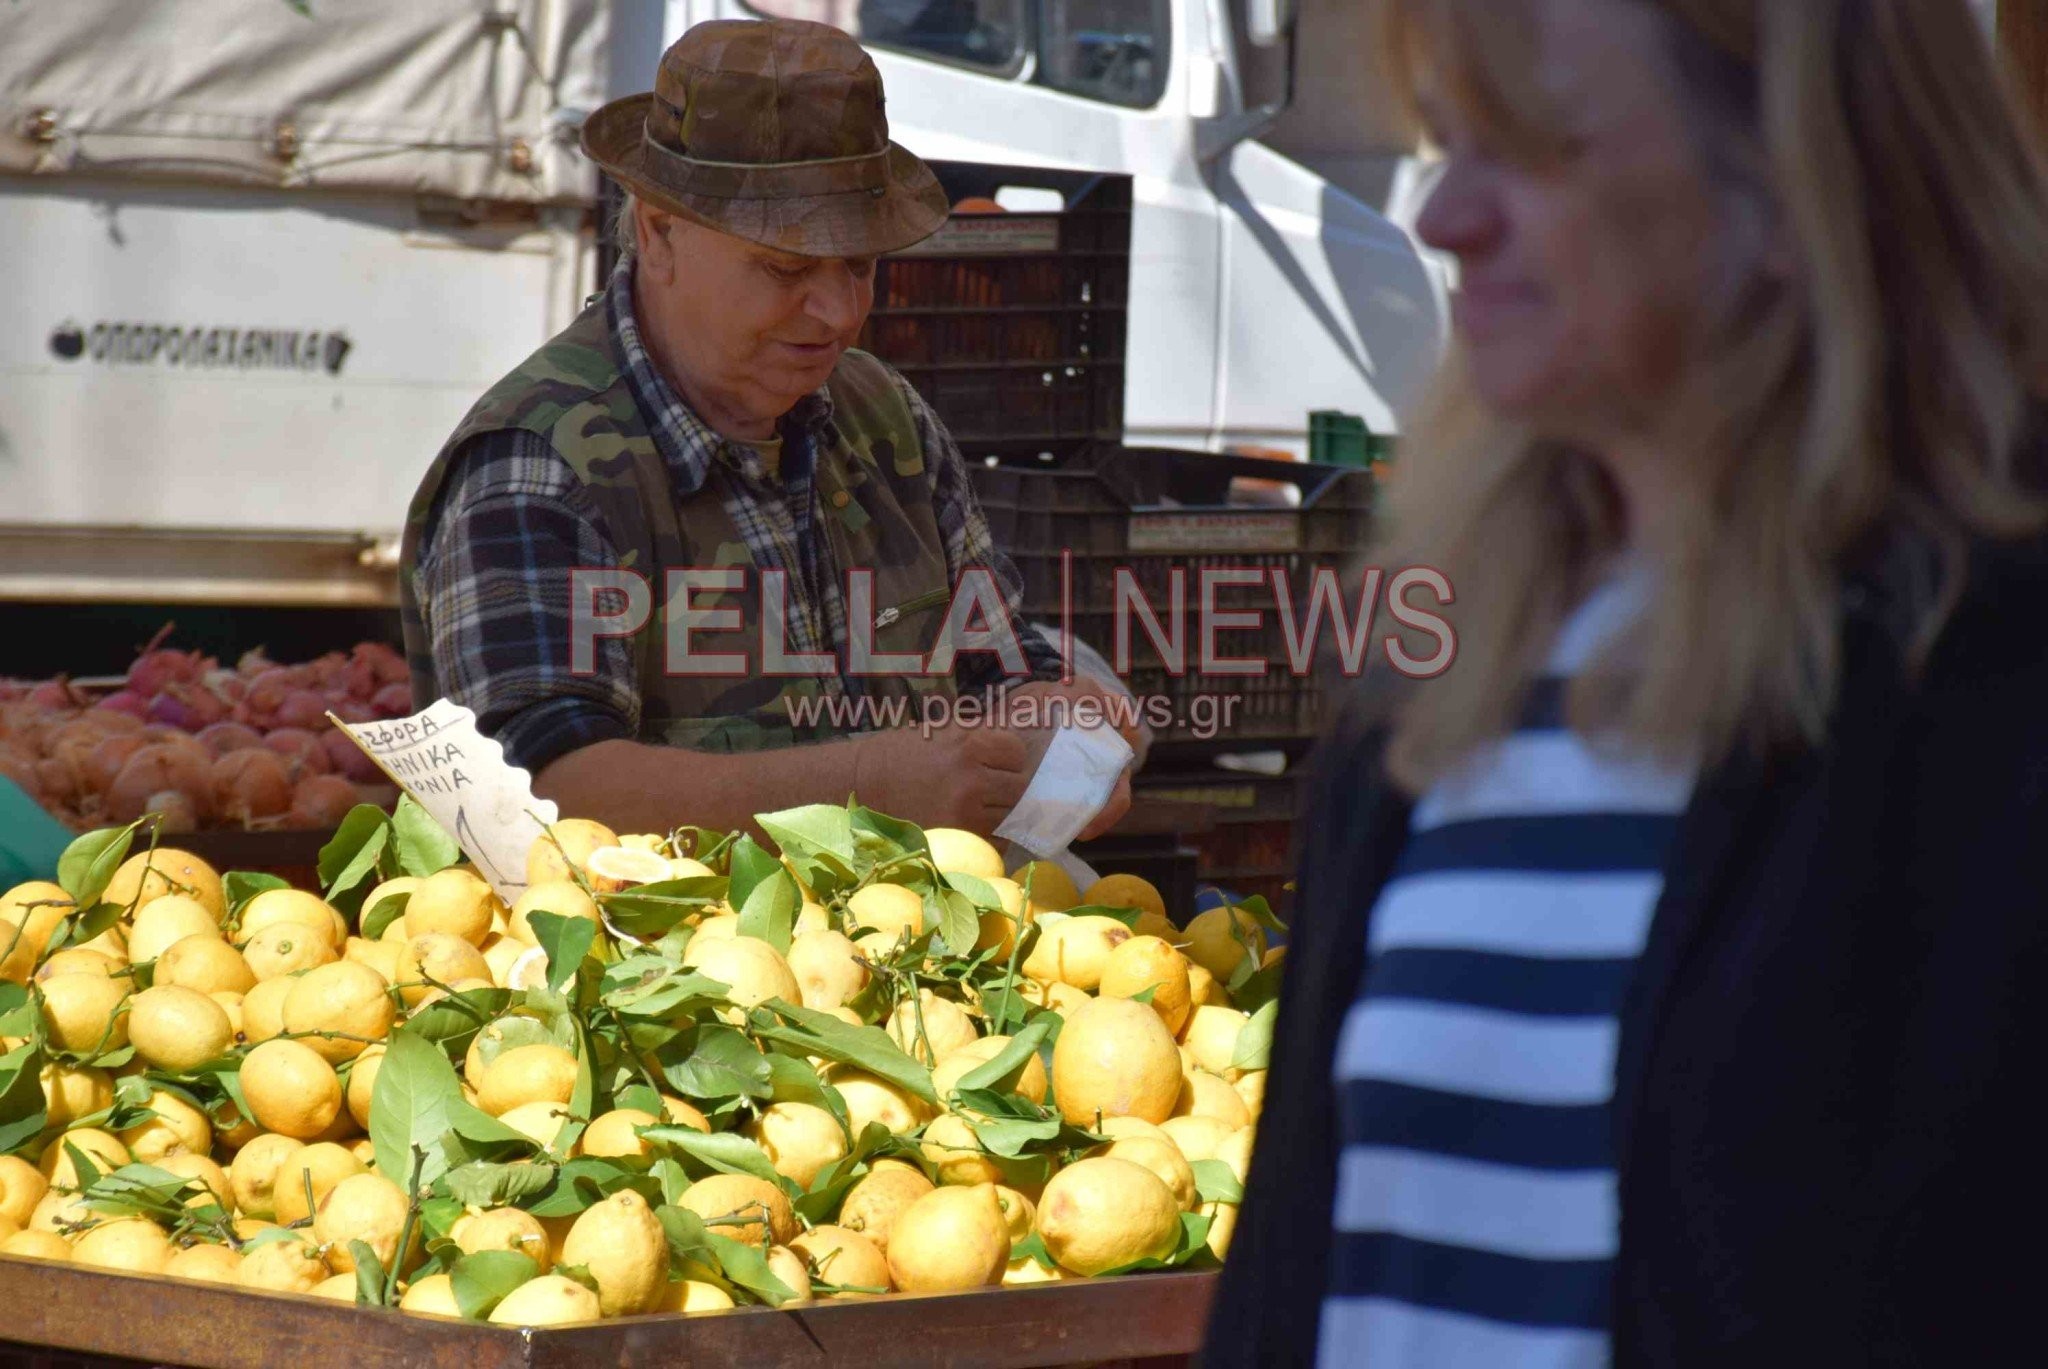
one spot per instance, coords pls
(752, 330)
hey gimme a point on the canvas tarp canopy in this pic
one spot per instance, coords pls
(468, 99)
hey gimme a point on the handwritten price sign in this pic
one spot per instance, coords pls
(460, 777)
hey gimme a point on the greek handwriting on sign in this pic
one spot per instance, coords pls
(462, 780)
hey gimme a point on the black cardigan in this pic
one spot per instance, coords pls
(1825, 1107)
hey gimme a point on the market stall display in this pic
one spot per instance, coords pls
(681, 1072)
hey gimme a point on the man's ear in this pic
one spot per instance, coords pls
(657, 251)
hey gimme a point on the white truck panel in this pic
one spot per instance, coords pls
(190, 358)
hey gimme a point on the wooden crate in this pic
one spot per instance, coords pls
(63, 1316)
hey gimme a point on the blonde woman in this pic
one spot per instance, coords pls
(1670, 984)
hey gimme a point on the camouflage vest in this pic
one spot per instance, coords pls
(874, 508)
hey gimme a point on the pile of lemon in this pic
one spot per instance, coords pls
(1146, 1063)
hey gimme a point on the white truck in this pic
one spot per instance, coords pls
(261, 255)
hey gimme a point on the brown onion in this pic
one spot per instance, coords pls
(349, 759)
(251, 784)
(303, 708)
(104, 763)
(322, 801)
(224, 737)
(155, 768)
(176, 814)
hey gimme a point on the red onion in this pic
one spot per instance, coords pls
(268, 691)
(354, 711)
(55, 694)
(223, 737)
(253, 663)
(188, 706)
(390, 666)
(349, 759)
(125, 703)
(157, 669)
(393, 701)
(303, 708)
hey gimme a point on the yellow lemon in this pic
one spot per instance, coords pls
(828, 967)
(363, 1207)
(1164, 1159)
(742, 1196)
(431, 1296)
(325, 1164)
(345, 998)
(1146, 964)
(285, 948)
(1197, 1137)
(253, 1175)
(275, 906)
(539, 1073)
(77, 960)
(550, 1300)
(214, 1187)
(288, 1265)
(951, 1238)
(619, 1241)
(1125, 891)
(178, 1029)
(22, 1186)
(612, 868)
(1205, 1095)
(887, 908)
(291, 1088)
(1101, 1213)
(752, 970)
(37, 1245)
(1211, 1038)
(101, 1149)
(839, 1255)
(177, 1129)
(869, 1099)
(695, 1295)
(1251, 1086)
(73, 1091)
(148, 876)
(1048, 886)
(86, 1013)
(956, 1153)
(872, 1205)
(561, 851)
(29, 916)
(437, 957)
(1074, 950)
(681, 1114)
(205, 1263)
(799, 1139)
(1115, 1058)
(453, 901)
(1029, 1080)
(263, 1010)
(1220, 940)
(963, 853)
(563, 898)
(932, 1028)
(503, 1228)
(130, 1245)
(205, 963)
(540, 1123)
(1000, 927)
(381, 956)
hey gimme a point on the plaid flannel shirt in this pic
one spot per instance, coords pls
(512, 519)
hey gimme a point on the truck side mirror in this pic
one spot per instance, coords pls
(1268, 22)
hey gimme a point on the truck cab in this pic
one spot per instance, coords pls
(1260, 289)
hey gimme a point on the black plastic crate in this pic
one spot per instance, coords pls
(1013, 325)
(1156, 511)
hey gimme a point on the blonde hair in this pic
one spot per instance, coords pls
(1875, 401)
(625, 226)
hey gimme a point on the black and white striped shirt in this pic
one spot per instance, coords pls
(1476, 1218)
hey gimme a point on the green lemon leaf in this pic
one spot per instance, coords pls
(413, 1103)
(1255, 1039)
(347, 889)
(720, 1151)
(956, 917)
(715, 1061)
(377, 920)
(820, 1033)
(649, 911)
(482, 1183)
(239, 886)
(1217, 1182)
(1001, 1072)
(362, 823)
(481, 1281)
(1261, 912)
(975, 887)
(566, 940)
(424, 846)
(369, 1275)
(88, 863)
(745, 1265)
(769, 914)
(750, 865)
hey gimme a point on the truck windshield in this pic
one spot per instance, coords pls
(1117, 51)
(989, 34)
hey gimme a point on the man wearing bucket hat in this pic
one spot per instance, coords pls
(707, 412)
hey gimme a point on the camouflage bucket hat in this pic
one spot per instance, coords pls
(772, 131)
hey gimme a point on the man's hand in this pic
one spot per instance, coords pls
(969, 777)
(1127, 719)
